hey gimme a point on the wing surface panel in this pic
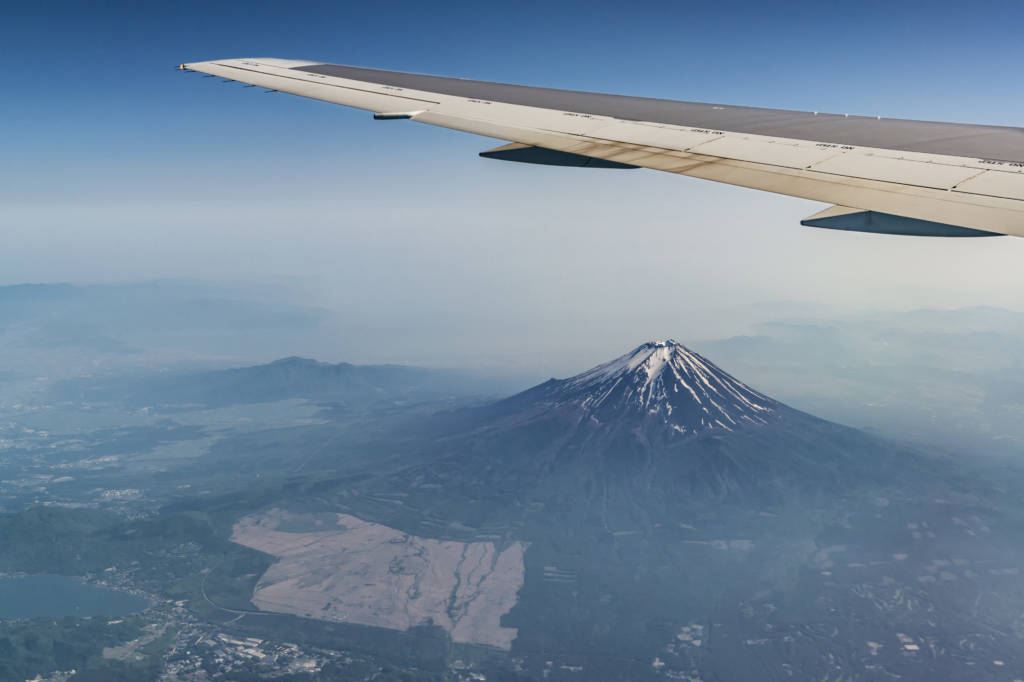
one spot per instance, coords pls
(995, 184)
(957, 139)
(898, 171)
(789, 154)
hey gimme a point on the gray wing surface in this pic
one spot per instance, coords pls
(879, 175)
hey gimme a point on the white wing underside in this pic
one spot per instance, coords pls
(963, 189)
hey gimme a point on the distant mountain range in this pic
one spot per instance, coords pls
(284, 379)
(953, 379)
(52, 332)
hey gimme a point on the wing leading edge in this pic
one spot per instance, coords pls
(882, 175)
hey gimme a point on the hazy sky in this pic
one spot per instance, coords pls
(117, 167)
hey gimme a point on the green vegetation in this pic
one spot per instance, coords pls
(39, 646)
(164, 550)
(167, 555)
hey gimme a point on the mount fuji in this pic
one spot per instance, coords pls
(656, 429)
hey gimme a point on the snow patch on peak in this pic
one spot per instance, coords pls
(652, 357)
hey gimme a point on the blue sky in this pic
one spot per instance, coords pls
(117, 167)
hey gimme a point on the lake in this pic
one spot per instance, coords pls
(38, 596)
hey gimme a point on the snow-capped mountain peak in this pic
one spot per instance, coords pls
(668, 382)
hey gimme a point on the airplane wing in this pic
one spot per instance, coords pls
(879, 175)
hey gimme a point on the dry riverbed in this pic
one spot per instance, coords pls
(354, 571)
